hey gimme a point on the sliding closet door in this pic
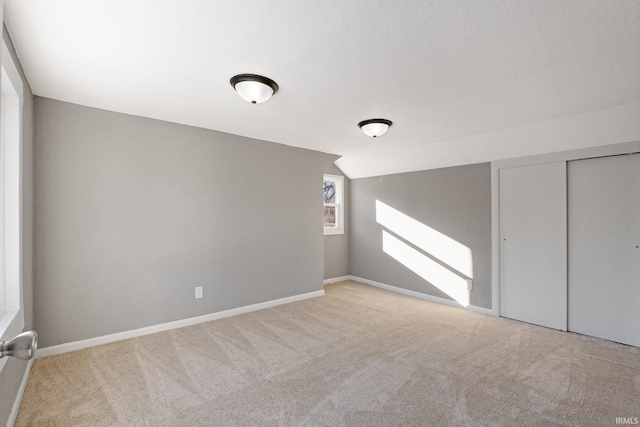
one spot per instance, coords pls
(604, 248)
(533, 244)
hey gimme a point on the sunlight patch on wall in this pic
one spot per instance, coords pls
(439, 246)
(444, 279)
(435, 257)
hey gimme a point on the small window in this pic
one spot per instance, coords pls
(333, 204)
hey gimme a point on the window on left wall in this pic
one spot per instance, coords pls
(11, 306)
(333, 210)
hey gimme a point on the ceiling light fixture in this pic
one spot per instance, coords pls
(253, 88)
(375, 127)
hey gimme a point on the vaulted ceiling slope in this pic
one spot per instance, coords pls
(463, 81)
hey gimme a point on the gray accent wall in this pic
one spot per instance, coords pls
(336, 246)
(133, 213)
(14, 370)
(454, 201)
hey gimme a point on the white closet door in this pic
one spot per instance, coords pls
(604, 253)
(533, 244)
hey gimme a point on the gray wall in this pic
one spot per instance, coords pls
(133, 213)
(14, 370)
(454, 201)
(336, 246)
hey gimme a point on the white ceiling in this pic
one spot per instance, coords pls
(452, 75)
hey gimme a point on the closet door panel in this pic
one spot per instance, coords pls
(604, 248)
(533, 244)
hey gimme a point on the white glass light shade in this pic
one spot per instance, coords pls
(254, 92)
(253, 88)
(375, 127)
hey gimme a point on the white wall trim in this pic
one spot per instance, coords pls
(11, 201)
(569, 155)
(336, 279)
(13, 416)
(119, 336)
(421, 295)
(495, 240)
(12, 72)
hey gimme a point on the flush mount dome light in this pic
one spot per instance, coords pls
(253, 88)
(375, 127)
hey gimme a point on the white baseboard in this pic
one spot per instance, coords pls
(82, 344)
(336, 279)
(13, 416)
(119, 336)
(421, 295)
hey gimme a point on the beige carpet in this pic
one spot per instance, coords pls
(358, 356)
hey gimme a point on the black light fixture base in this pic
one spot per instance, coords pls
(254, 78)
(370, 121)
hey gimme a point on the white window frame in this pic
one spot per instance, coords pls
(11, 300)
(339, 205)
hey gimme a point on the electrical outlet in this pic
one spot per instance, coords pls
(198, 292)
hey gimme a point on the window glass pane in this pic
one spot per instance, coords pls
(329, 191)
(329, 216)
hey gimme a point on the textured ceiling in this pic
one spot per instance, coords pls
(444, 71)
